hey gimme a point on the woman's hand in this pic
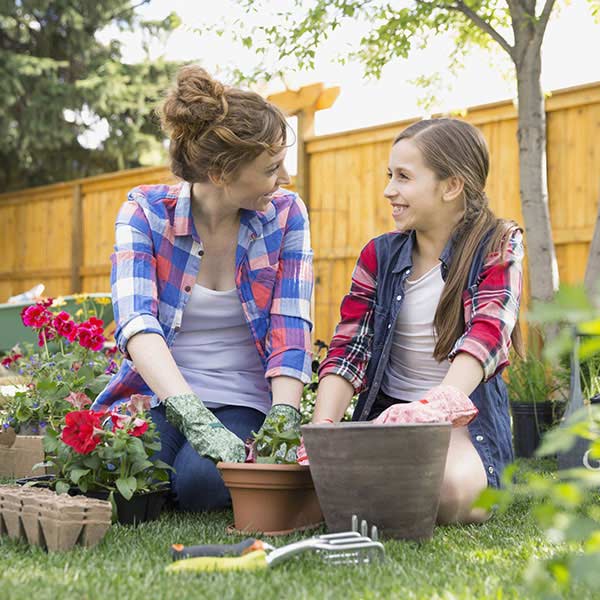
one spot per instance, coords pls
(206, 434)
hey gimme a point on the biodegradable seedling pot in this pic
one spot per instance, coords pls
(17, 458)
(389, 475)
(271, 499)
(54, 522)
(143, 506)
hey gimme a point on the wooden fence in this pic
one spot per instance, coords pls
(63, 234)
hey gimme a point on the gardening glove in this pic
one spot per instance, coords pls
(441, 404)
(206, 434)
(292, 417)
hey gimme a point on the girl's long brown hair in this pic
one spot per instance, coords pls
(451, 147)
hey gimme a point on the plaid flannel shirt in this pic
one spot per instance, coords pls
(156, 262)
(490, 312)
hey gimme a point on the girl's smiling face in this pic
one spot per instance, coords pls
(419, 199)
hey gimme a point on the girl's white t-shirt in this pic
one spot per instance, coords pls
(412, 370)
(216, 354)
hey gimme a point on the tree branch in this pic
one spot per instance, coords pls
(483, 25)
(543, 20)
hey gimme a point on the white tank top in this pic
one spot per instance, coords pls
(411, 369)
(216, 354)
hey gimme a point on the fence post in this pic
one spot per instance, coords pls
(303, 104)
(76, 239)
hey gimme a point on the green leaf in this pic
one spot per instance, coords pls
(159, 464)
(77, 474)
(140, 466)
(126, 486)
(62, 487)
(42, 465)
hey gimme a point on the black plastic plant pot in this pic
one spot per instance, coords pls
(530, 421)
(143, 506)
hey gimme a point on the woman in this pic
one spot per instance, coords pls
(211, 285)
(432, 307)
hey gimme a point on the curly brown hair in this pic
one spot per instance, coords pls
(215, 129)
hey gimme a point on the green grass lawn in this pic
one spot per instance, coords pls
(475, 561)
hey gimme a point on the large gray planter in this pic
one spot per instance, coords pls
(390, 475)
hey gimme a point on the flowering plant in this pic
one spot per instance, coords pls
(108, 450)
(71, 359)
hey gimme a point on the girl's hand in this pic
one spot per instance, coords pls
(441, 404)
(301, 455)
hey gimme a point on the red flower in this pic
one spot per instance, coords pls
(36, 316)
(80, 430)
(111, 351)
(134, 426)
(65, 326)
(139, 427)
(11, 358)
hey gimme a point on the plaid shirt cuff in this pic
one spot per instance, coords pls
(143, 323)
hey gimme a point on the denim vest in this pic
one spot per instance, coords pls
(490, 431)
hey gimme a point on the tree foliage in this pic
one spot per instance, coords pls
(59, 80)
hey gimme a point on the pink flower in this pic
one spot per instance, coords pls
(79, 400)
(36, 316)
(90, 334)
(91, 338)
(138, 403)
(45, 335)
(132, 425)
(94, 322)
(65, 326)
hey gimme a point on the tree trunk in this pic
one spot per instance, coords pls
(592, 272)
(543, 268)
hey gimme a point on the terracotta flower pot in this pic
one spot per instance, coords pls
(390, 475)
(271, 499)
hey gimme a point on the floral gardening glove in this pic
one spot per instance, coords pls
(207, 435)
(283, 413)
(441, 404)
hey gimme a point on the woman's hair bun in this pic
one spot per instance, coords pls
(195, 103)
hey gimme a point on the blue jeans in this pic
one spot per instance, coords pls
(197, 484)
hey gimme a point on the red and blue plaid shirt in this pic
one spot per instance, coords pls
(491, 309)
(156, 262)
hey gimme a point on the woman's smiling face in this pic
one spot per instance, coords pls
(256, 181)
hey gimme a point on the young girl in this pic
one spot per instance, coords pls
(434, 304)
(211, 284)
